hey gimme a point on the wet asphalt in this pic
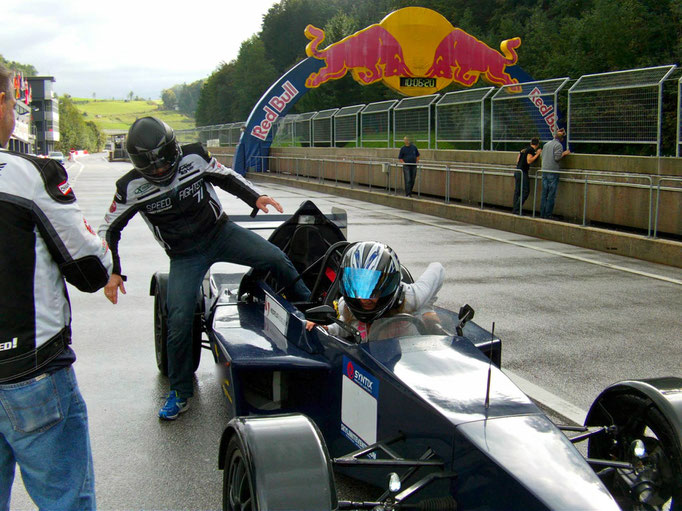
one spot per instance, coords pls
(572, 321)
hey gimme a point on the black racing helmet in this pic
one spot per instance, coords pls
(152, 146)
(370, 269)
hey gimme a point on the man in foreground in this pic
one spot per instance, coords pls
(44, 239)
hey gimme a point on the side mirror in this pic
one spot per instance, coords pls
(466, 314)
(322, 314)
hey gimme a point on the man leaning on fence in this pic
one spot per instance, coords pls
(522, 182)
(553, 152)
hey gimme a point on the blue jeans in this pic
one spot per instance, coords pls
(521, 180)
(230, 243)
(44, 429)
(410, 176)
(550, 182)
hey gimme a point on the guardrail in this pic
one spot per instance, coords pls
(305, 167)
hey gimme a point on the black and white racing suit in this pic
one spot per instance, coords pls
(188, 221)
(181, 213)
(44, 238)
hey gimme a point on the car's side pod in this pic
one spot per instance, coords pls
(663, 393)
(283, 459)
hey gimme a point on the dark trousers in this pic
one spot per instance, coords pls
(521, 181)
(410, 175)
(550, 182)
(231, 243)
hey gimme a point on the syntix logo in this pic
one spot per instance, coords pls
(9, 345)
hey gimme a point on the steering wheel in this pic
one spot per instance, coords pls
(381, 328)
(332, 260)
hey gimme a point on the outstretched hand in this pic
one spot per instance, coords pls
(263, 202)
(111, 289)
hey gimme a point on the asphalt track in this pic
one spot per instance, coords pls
(572, 321)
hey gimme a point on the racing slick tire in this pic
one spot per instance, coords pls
(276, 462)
(636, 417)
(161, 332)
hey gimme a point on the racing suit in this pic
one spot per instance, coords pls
(188, 221)
(417, 299)
(44, 239)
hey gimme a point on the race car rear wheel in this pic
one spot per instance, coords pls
(161, 336)
(657, 479)
(238, 494)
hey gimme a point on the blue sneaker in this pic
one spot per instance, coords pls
(175, 405)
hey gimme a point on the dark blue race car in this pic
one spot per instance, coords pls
(422, 410)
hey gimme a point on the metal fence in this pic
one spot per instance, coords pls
(621, 107)
(323, 127)
(520, 112)
(412, 117)
(460, 116)
(468, 181)
(346, 124)
(375, 123)
(303, 128)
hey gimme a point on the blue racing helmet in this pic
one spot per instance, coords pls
(370, 270)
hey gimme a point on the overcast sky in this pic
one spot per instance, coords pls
(113, 47)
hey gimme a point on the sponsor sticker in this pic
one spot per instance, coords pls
(9, 345)
(359, 397)
(87, 226)
(112, 208)
(276, 315)
(64, 187)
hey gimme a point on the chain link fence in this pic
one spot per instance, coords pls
(522, 111)
(375, 124)
(622, 107)
(603, 110)
(323, 127)
(460, 117)
(412, 118)
(346, 124)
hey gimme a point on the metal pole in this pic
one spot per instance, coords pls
(679, 117)
(585, 203)
(492, 120)
(419, 181)
(568, 121)
(651, 206)
(352, 172)
(482, 185)
(482, 121)
(447, 184)
(660, 114)
(658, 200)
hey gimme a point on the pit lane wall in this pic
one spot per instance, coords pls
(619, 197)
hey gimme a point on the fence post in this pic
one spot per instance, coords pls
(352, 173)
(585, 203)
(447, 184)
(482, 186)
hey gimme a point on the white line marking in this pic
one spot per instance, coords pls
(553, 402)
(72, 178)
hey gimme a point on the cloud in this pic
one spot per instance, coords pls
(113, 48)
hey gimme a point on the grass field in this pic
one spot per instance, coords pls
(120, 115)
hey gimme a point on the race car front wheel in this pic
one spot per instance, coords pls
(645, 438)
(238, 494)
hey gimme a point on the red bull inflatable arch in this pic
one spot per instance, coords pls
(414, 51)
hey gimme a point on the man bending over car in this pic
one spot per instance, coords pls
(172, 187)
(371, 288)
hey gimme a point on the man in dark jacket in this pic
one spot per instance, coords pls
(409, 157)
(44, 239)
(172, 187)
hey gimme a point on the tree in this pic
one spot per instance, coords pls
(74, 132)
(131, 95)
(170, 101)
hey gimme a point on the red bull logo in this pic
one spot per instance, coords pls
(415, 51)
(463, 58)
(370, 55)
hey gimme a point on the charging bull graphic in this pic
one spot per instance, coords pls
(463, 58)
(370, 55)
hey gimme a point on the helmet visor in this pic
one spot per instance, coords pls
(149, 161)
(364, 283)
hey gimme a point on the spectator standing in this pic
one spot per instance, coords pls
(554, 151)
(44, 239)
(521, 181)
(409, 157)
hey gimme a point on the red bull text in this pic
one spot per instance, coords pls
(273, 109)
(546, 111)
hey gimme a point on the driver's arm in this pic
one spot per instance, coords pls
(423, 293)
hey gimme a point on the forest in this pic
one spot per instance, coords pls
(559, 38)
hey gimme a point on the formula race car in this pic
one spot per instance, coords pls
(421, 411)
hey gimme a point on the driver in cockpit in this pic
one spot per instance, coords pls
(371, 288)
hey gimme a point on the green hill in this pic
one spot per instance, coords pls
(120, 115)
